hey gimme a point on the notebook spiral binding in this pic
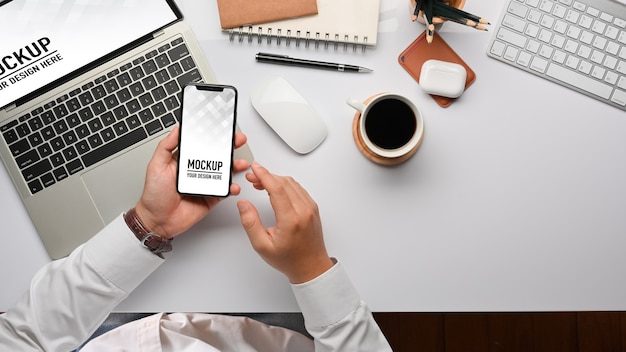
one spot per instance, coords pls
(318, 39)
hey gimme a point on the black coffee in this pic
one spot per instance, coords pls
(390, 123)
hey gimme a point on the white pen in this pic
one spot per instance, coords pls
(286, 60)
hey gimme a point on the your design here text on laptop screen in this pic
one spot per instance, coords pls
(50, 39)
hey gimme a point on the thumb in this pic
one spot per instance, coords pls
(252, 223)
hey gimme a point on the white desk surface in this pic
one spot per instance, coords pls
(515, 201)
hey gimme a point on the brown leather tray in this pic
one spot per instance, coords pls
(418, 52)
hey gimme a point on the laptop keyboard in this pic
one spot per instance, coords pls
(101, 118)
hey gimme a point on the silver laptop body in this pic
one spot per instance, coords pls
(77, 147)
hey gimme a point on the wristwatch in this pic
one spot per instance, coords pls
(153, 241)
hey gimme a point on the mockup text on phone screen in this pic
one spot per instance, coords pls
(206, 140)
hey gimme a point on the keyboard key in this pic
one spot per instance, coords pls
(178, 52)
(75, 92)
(192, 76)
(47, 133)
(175, 70)
(35, 123)
(35, 186)
(120, 112)
(136, 89)
(95, 125)
(136, 73)
(510, 37)
(57, 159)
(145, 115)
(82, 131)
(514, 23)
(171, 103)
(124, 95)
(70, 137)
(74, 166)
(60, 174)
(187, 63)
(619, 97)
(149, 67)
(162, 60)
(111, 101)
(10, 136)
(154, 127)
(149, 83)
(162, 76)
(108, 119)
(107, 134)
(27, 159)
(98, 108)
(82, 147)
(94, 141)
(47, 117)
(146, 100)
(124, 79)
(8, 126)
(22, 130)
(580, 81)
(19, 147)
(158, 109)
(172, 87)
(69, 153)
(47, 180)
(133, 106)
(98, 92)
(36, 170)
(86, 98)
(114, 147)
(120, 128)
(44, 150)
(158, 93)
(57, 143)
(111, 86)
(133, 122)
(35, 139)
(60, 127)
(85, 114)
(168, 120)
(538, 64)
(73, 120)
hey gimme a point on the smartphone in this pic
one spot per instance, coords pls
(206, 141)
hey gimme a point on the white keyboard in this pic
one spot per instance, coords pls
(580, 44)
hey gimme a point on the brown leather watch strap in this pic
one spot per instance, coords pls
(155, 243)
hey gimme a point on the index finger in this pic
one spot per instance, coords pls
(278, 191)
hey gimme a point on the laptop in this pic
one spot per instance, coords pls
(87, 90)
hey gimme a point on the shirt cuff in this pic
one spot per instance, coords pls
(328, 298)
(117, 254)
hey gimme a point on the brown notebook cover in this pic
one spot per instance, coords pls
(414, 56)
(235, 13)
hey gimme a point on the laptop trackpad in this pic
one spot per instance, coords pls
(117, 185)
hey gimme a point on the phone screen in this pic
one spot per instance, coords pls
(206, 141)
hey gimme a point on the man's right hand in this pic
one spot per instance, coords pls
(295, 244)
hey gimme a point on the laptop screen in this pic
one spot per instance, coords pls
(48, 39)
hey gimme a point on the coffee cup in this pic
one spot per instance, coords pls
(389, 125)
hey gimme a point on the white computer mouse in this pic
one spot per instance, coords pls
(289, 114)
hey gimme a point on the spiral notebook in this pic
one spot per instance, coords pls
(338, 22)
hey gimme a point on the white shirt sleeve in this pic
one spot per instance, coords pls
(69, 298)
(335, 315)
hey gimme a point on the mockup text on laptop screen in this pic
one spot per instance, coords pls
(44, 40)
